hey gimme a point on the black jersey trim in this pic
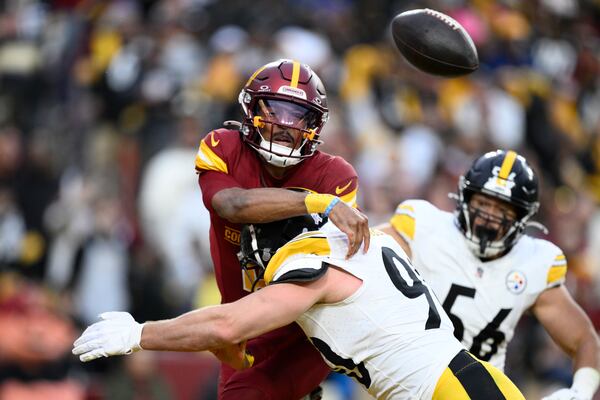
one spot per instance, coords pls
(302, 274)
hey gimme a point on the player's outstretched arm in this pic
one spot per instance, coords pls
(251, 206)
(209, 328)
(272, 204)
(572, 330)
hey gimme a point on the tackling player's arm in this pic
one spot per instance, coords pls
(572, 330)
(225, 326)
(217, 326)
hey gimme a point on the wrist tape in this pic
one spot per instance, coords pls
(586, 381)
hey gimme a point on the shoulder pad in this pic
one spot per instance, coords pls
(303, 270)
(548, 266)
(214, 149)
(404, 220)
(304, 246)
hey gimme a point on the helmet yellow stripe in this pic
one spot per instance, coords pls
(295, 74)
(507, 164)
(254, 75)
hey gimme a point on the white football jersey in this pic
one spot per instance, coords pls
(485, 300)
(392, 334)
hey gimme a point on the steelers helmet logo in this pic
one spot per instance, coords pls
(516, 282)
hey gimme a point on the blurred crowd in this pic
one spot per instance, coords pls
(103, 105)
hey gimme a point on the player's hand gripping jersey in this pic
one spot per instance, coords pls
(392, 334)
(484, 300)
(224, 161)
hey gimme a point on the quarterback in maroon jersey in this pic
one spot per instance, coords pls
(245, 174)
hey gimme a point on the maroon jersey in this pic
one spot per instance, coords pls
(224, 161)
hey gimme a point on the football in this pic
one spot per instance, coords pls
(434, 43)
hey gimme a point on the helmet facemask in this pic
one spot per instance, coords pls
(284, 132)
(260, 242)
(253, 259)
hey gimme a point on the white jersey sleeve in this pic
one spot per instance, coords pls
(553, 264)
(404, 220)
(417, 221)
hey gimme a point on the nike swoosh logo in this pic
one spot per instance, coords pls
(339, 190)
(213, 142)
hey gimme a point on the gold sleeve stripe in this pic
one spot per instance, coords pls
(350, 198)
(560, 261)
(254, 75)
(295, 74)
(405, 209)
(207, 160)
(310, 245)
(404, 224)
(507, 164)
(556, 274)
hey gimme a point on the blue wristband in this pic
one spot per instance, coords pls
(330, 206)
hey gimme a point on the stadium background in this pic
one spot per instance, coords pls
(102, 106)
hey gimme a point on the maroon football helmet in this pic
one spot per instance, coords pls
(285, 108)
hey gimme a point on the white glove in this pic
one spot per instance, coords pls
(117, 333)
(566, 394)
(585, 383)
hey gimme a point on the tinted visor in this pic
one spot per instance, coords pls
(285, 113)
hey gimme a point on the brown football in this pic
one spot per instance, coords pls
(434, 43)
